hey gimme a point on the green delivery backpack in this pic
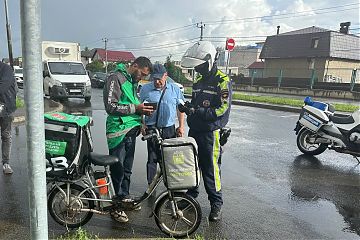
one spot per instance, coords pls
(68, 144)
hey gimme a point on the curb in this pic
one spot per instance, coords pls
(284, 108)
(21, 119)
(268, 106)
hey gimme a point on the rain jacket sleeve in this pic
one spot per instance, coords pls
(112, 95)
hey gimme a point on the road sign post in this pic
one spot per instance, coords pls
(34, 101)
(229, 46)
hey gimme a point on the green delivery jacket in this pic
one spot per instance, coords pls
(120, 99)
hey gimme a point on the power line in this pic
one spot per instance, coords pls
(255, 36)
(167, 45)
(165, 55)
(286, 15)
(249, 19)
(189, 26)
(95, 41)
(155, 33)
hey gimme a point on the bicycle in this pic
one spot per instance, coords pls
(72, 201)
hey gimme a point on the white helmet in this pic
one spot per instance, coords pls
(199, 53)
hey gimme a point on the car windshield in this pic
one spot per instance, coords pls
(100, 75)
(18, 70)
(67, 68)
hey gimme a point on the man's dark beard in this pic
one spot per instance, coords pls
(134, 76)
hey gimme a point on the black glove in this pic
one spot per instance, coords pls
(187, 108)
(224, 135)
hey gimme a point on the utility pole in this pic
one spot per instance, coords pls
(8, 32)
(105, 40)
(34, 104)
(201, 26)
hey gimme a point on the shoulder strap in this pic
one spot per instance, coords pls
(158, 107)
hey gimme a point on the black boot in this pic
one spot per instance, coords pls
(215, 214)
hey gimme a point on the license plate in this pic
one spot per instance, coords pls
(75, 90)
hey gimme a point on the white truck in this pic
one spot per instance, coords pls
(64, 74)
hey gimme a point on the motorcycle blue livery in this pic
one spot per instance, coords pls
(319, 128)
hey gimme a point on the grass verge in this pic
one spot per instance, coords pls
(78, 234)
(285, 101)
(19, 103)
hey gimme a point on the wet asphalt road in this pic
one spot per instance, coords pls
(270, 190)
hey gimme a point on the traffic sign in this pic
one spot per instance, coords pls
(230, 44)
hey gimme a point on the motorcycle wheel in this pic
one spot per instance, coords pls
(187, 219)
(69, 215)
(307, 147)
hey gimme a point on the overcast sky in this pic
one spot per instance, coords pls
(134, 25)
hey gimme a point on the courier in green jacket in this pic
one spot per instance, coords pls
(123, 123)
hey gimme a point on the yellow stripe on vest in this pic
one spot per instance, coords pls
(216, 155)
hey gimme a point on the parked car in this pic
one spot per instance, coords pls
(98, 79)
(18, 74)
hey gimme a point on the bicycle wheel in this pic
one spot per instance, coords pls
(70, 215)
(187, 219)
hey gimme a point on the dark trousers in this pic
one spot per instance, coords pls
(5, 125)
(154, 152)
(209, 164)
(122, 170)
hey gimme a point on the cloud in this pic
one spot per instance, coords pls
(88, 21)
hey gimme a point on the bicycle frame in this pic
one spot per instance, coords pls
(88, 181)
(81, 197)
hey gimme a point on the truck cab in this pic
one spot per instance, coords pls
(64, 74)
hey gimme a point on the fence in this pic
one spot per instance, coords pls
(328, 79)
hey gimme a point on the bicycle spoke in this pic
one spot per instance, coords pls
(187, 208)
(167, 213)
(187, 221)
(174, 225)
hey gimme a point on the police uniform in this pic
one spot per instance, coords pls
(211, 98)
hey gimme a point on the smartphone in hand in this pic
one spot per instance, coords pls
(153, 104)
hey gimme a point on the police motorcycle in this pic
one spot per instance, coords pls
(318, 129)
(79, 181)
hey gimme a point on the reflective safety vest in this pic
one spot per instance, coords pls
(118, 126)
(212, 97)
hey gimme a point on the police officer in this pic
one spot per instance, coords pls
(210, 109)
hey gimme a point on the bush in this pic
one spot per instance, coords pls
(19, 103)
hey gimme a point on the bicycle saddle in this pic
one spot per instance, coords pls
(102, 160)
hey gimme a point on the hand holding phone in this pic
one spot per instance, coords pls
(153, 104)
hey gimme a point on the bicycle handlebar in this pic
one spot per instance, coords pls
(154, 133)
(148, 136)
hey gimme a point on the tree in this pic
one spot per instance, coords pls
(111, 66)
(95, 66)
(174, 72)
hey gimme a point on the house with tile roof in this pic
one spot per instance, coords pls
(112, 56)
(331, 56)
